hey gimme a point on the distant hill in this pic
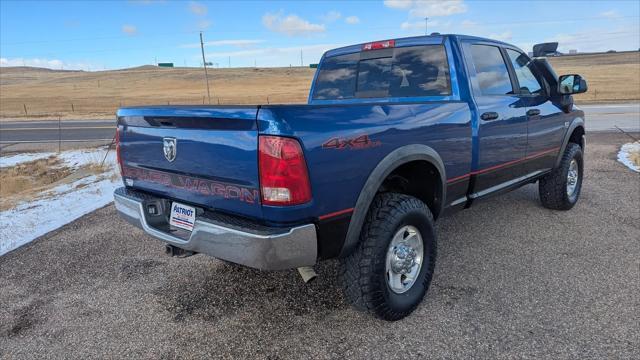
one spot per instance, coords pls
(24, 69)
(28, 92)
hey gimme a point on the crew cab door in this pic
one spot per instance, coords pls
(546, 121)
(502, 119)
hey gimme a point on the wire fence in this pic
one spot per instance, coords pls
(52, 107)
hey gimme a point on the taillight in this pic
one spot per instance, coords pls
(283, 171)
(118, 155)
(379, 45)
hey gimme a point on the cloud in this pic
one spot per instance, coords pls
(274, 56)
(610, 14)
(274, 51)
(503, 36)
(469, 24)
(598, 39)
(291, 24)
(434, 8)
(204, 24)
(198, 8)
(147, 2)
(331, 16)
(398, 4)
(44, 63)
(428, 8)
(241, 43)
(419, 25)
(352, 20)
(129, 29)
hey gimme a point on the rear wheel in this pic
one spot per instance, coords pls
(560, 189)
(391, 269)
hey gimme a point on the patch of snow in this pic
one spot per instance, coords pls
(73, 158)
(625, 151)
(61, 204)
(13, 160)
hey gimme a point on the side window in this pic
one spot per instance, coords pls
(491, 70)
(528, 82)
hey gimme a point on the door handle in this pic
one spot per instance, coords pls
(490, 115)
(533, 112)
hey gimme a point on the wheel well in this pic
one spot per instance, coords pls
(576, 136)
(420, 179)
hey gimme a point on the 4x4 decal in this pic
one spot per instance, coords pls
(360, 142)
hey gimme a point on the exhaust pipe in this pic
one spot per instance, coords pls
(177, 252)
(307, 273)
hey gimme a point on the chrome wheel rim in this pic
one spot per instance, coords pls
(572, 177)
(404, 259)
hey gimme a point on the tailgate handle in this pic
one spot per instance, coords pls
(533, 112)
(490, 115)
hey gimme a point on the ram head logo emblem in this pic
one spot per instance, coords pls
(170, 148)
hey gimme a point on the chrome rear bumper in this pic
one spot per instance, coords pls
(257, 246)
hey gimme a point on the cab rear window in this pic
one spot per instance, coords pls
(400, 72)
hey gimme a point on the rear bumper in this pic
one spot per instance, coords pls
(225, 237)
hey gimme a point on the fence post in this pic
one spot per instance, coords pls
(25, 109)
(267, 99)
(59, 133)
(72, 108)
(218, 101)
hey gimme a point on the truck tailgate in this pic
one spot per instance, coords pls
(200, 155)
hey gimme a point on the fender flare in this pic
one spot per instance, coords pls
(576, 123)
(387, 165)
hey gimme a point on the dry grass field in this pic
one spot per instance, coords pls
(79, 94)
(35, 179)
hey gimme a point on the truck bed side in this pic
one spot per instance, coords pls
(343, 144)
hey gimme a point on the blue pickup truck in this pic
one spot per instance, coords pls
(396, 134)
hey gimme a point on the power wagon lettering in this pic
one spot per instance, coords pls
(202, 186)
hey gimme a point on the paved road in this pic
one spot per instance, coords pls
(513, 280)
(18, 131)
(605, 117)
(599, 118)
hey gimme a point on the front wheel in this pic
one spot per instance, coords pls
(560, 189)
(391, 269)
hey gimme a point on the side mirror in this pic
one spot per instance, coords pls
(571, 84)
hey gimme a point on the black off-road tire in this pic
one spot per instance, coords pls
(553, 186)
(363, 272)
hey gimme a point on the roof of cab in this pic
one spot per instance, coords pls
(432, 39)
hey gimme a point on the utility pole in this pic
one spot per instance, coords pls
(229, 61)
(204, 63)
(426, 31)
(301, 62)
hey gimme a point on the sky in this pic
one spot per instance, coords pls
(98, 35)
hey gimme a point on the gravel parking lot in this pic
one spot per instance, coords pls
(513, 280)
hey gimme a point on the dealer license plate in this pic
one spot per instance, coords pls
(182, 216)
